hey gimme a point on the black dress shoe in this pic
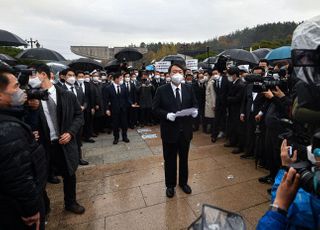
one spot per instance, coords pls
(90, 140)
(170, 192)
(83, 162)
(75, 208)
(186, 189)
(126, 139)
(228, 145)
(247, 156)
(213, 140)
(53, 180)
(237, 151)
(94, 135)
(266, 180)
(115, 141)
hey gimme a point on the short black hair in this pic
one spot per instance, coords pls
(116, 75)
(258, 68)
(79, 72)
(177, 65)
(62, 72)
(264, 60)
(4, 80)
(233, 70)
(70, 70)
(43, 68)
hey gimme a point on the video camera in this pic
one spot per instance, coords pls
(23, 79)
(262, 84)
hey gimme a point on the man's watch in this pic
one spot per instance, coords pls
(275, 208)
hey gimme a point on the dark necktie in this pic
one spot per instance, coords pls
(118, 89)
(72, 89)
(52, 108)
(178, 98)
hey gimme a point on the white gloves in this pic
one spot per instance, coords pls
(194, 113)
(171, 116)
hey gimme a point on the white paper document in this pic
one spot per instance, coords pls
(185, 112)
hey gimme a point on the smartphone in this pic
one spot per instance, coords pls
(290, 151)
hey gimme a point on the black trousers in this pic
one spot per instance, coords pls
(250, 134)
(146, 116)
(170, 152)
(132, 116)
(220, 121)
(60, 168)
(273, 144)
(88, 124)
(199, 120)
(120, 120)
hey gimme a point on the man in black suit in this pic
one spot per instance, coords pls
(176, 132)
(252, 103)
(117, 103)
(60, 121)
(132, 92)
(200, 92)
(234, 102)
(73, 88)
(85, 86)
(221, 87)
(62, 80)
(157, 81)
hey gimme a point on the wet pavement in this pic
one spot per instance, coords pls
(123, 187)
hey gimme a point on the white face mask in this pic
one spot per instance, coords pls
(96, 79)
(134, 78)
(230, 78)
(168, 79)
(87, 80)
(157, 77)
(205, 78)
(52, 81)
(35, 82)
(71, 80)
(120, 82)
(177, 78)
(104, 77)
(216, 77)
(80, 80)
(127, 79)
(183, 82)
(202, 80)
(162, 78)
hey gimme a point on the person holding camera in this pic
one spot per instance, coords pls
(22, 161)
(292, 207)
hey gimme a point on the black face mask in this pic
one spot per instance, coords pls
(62, 80)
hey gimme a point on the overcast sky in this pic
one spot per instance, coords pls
(59, 24)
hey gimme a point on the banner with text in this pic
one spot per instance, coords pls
(162, 66)
(192, 64)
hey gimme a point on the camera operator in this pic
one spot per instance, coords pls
(22, 161)
(292, 207)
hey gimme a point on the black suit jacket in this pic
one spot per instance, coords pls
(247, 102)
(132, 92)
(235, 97)
(200, 92)
(222, 93)
(114, 102)
(164, 102)
(70, 119)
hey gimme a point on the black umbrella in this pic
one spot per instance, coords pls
(262, 52)
(113, 66)
(41, 54)
(240, 55)
(128, 54)
(9, 39)
(85, 64)
(175, 59)
(8, 59)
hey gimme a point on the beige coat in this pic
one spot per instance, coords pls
(210, 99)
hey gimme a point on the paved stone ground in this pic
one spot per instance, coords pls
(123, 187)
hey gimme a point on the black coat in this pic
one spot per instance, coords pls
(115, 103)
(70, 119)
(221, 93)
(98, 98)
(234, 98)
(23, 168)
(200, 92)
(164, 102)
(157, 84)
(132, 92)
(145, 94)
(247, 102)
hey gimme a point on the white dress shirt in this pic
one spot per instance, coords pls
(53, 95)
(74, 89)
(116, 87)
(174, 90)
